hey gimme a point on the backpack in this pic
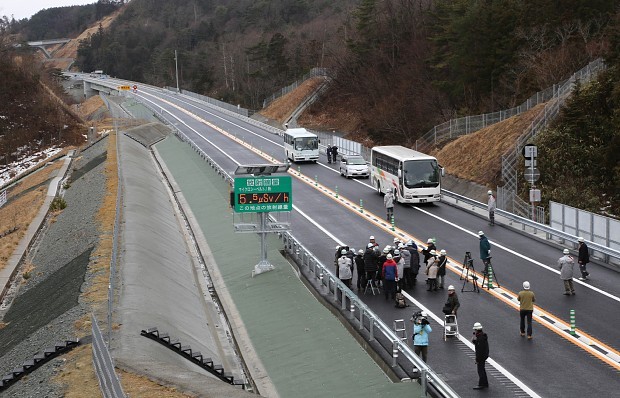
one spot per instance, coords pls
(400, 300)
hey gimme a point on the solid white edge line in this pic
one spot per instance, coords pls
(604, 293)
(470, 345)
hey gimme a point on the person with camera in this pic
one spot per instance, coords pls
(481, 344)
(421, 330)
(452, 303)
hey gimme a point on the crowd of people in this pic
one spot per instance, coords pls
(397, 267)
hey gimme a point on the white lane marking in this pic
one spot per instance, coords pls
(470, 345)
(555, 271)
(195, 131)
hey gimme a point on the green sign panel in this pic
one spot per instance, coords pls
(261, 194)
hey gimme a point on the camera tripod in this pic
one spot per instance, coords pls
(467, 273)
(489, 275)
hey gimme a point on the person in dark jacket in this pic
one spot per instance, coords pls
(370, 262)
(452, 303)
(360, 268)
(583, 258)
(328, 151)
(481, 343)
(389, 273)
(441, 268)
(430, 246)
(485, 250)
(415, 263)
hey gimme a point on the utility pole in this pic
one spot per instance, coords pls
(176, 68)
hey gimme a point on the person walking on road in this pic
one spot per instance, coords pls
(492, 205)
(485, 250)
(481, 344)
(526, 309)
(388, 202)
(566, 265)
(583, 258)
(390, 275)
(421, 329)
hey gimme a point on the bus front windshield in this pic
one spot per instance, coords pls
(421, 174)
(306, 144)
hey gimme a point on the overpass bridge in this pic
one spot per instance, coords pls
(43, 44)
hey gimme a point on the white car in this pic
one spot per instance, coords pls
(354, 166)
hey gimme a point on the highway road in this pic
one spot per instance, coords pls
(553, 364)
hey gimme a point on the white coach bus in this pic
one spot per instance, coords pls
(413, 176)
(301, 145)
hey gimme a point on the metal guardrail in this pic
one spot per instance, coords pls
(109, 384)
(526, 222)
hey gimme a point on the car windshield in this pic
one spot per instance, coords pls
(306, 144)
(356, 161)
(421, 173)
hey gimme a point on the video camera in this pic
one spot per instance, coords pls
(419, 317)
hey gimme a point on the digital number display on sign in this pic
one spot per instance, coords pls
(262, 194)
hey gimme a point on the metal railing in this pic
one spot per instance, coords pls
(550, 232)
(314, 72)
(220, 104)
(109, 384)
(454, 128)
(511, 158)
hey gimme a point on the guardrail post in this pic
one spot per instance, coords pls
(394, 353)
(423, 382)
(371, 328)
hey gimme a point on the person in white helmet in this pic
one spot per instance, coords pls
(485, 250)
(481, 344)
(492, 205)
(442, 260)
(452, 303)
(526, 300)
(345, 268)
(566, 265)
(388, 202)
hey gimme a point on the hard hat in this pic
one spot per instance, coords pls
(400, 245)
(480, 233)
(409, 242)
(433, 253)
(429, 240)
(580, 239)
(423, 313)
(386, 249)
(370, 246)
(442, 252)
(343, 251)
(566, 251)
(526, 285)
(396, 240)
(396, 252)
(360, 251)
(451, 287)
(371, 237)
(389, 256)
(352, 250)
(477, 326)
(490, 192)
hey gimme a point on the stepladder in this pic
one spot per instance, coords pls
(450, 326)
(400, 328)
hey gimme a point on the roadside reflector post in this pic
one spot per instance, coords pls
(572, 322)
(490, 282)
(298, 170)
(393, 229)
(316, 181)
(336, 190)
(361, 206)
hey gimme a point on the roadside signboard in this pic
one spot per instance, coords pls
(263, 194)
(530, 151)
(135, 88)
(124, 88)
(531, 175)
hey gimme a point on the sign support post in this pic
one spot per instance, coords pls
(260, 194)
